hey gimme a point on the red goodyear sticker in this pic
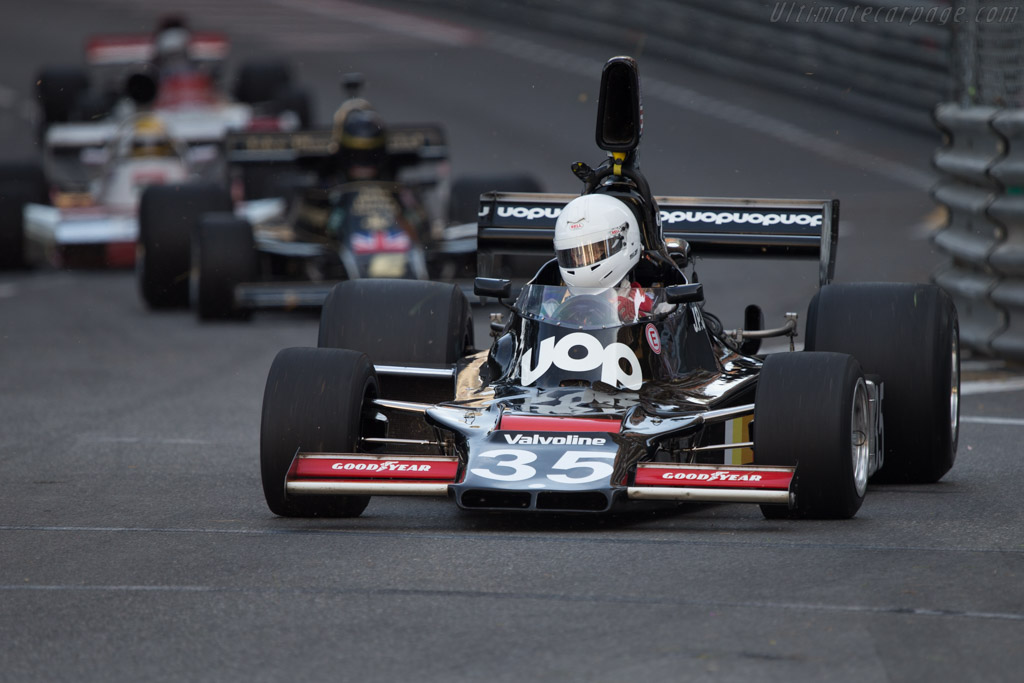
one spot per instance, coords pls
(738, 478)
(360, 468)
(653, 338)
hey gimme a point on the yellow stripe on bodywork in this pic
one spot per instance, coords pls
(738, 431)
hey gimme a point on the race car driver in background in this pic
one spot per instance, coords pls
(358, 145)
(182, 82)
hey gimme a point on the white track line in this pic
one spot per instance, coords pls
(545, 597)
(993, 386)
(979, 419)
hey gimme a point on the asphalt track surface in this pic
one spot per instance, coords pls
(134, 540)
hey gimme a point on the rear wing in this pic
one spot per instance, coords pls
(131, 49)
(524, 223)
(406, 144)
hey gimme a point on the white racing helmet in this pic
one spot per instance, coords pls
(597, 241)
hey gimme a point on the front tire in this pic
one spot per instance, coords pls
(909, 335)
(428, 322)
(20, 184)
(59, 90)
(168, 217)
(223, 256)
(315, 400)
(260, 81)
(811, 410)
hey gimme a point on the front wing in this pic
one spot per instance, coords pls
(565, 480)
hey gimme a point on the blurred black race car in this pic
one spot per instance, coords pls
(358, 200)
(608, 384)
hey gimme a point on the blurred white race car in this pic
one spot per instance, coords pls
(93, 221)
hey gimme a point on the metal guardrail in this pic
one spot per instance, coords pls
(982, 160)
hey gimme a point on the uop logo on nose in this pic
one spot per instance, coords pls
(595, 356)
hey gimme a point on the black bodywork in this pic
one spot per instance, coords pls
(334, 228)
(652, 411)
(577, 406)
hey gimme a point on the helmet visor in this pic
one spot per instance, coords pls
(589, 254)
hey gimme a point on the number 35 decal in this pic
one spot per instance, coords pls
(512, 464)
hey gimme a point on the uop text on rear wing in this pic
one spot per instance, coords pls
(524, 223)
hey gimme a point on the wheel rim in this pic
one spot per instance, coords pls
(954, 389)
(860, 443)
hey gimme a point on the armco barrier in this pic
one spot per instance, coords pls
(972, 145)
(969, 236)
(1008, 211)
(983, 192)
(1009, 170)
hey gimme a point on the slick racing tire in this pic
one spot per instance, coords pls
(315, 401)
(261, 81)
(59, 90)
(93, 105)
(19, 184)
(168, 216)
(223, 255)
(811, 410)
(908, 335)
(427, 322)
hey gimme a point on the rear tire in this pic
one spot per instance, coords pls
(59, 90)
(315, 401)
(811, 410)
(261, 81)
(168, 216)
(427, 322)
(909, 335)
(20, 184)
(223, 256)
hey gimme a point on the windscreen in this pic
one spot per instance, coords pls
(592, 309)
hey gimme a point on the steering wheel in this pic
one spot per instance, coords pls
(586, 309)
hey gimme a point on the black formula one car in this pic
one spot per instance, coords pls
(582, 406)
(364, 200)
(199, 247)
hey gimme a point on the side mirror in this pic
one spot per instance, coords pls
(499, 288)
(685, 294)
(620, 119)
